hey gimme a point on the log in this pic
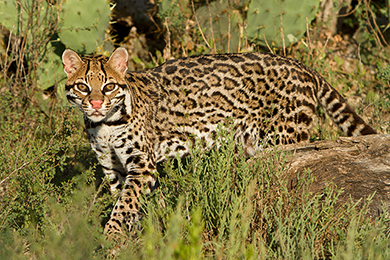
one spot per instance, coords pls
(359, 165)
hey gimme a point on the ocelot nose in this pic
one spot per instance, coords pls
(96, 104)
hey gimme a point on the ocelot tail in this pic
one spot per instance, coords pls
(137, 119)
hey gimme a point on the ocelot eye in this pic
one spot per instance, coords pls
(82, 88)
(109, 87)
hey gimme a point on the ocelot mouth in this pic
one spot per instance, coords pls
(96, 116)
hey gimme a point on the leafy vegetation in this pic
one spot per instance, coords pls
(213, 204)
(50, 27)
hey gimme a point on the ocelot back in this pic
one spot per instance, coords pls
(136, 119)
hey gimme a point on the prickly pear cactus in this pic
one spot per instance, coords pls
(15, 14)
(85, 23)
(264, 23)
(50, 70)
(218, 12)
(8, 14)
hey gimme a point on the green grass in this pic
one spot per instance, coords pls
(211, 205)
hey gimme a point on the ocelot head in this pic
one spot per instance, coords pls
(96, 84)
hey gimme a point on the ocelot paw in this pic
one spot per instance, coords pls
(123, 223)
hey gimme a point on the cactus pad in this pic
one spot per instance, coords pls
(84, 25)
(264, 22)
(218, 12)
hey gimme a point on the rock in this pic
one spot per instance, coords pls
(358, 165)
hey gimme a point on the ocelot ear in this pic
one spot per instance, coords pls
(72, 62)
(118, 60)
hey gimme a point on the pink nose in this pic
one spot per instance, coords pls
(96, 104)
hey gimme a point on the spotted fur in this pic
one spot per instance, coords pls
(136, 119)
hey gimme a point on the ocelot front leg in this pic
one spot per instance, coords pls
(138, 179)
(127, 210)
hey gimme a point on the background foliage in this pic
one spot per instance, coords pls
(213, 204)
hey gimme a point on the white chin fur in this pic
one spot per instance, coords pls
(96, 118)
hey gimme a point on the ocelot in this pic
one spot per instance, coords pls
(137, 119)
